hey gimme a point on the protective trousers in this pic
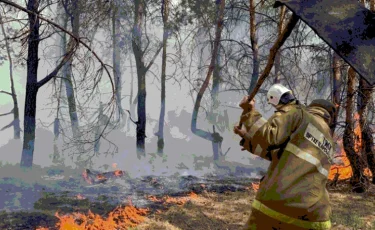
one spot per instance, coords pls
(260, 221)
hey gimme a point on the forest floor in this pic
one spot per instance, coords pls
(181, 202)
(230, 210)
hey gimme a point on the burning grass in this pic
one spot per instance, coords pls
(230, 210)
(173, 200)
(120, 218)
(211, 207)
(206, 210)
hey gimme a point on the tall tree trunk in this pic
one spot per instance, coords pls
(254, 47)
(141, 72)
(142, 68)
(16, 117)
(56, 129)
(358, 180)
(336, 88)
(98, 130)
(216, 78)
(32, 83)
(280, 28)
(160, 133)
(214, 137)
(31, 86)
(63, 21)
(365, 92)
(132, 103)
(68, 71)
(116, 58)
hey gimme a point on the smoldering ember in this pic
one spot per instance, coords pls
(186, 114)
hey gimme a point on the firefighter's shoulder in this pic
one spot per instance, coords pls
(288, 108)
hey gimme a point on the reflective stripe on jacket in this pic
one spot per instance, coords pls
(299, 145)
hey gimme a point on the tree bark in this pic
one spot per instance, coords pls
(142, 68)
(336, 89)
(280, 29)
(132, 103)
(358, 181)
(364, 100)
(31, 86)
(141, 72)
(16, 116)
(214, 137)
(367, 142)
(254, 47)
(166, 31)
(366, 131)
(116, 58)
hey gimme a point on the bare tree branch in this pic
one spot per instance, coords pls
(153, 59)
(2, 91)
(78, 40)
(8, 126)
(4, 114)
(130, 116)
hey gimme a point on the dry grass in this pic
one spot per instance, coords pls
(207, 211)
(230, 211)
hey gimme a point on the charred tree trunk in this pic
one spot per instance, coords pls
(141, 72)
(336, 89)
(254, 47)
(214, 137)
(132, 102)
(367, 141)
(32, 83)
(358, 181)
(280, 28)
(142, 68)
(366, 131)
(16, 117)
(363, 103)
(160, 133)
(31, 86)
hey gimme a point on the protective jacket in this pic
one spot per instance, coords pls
(298, 143)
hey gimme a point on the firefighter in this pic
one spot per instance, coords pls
(297, 142)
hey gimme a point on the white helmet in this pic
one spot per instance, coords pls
(275, 92)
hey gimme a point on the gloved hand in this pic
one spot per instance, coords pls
(241, 132)
(245, 104)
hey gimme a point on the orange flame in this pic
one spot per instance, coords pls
(345, 171)
(173, 200)
(193, 195)
(80, 197)
(100, 177)
(118, 173)
(86, 177)
(119, 218)
(255, 186)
